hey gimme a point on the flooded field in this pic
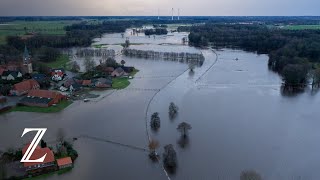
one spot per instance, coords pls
(240, 120)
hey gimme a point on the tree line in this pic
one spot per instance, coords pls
(293, 54)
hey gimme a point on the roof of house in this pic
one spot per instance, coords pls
(25, 85)
(13, 73)
(35, 100)
(86, 82)
(128, 69)
(44, 93)
(58, 69)
(38, 153)
(119, 70)
(64, 161)
(39, 76)
(102, 81)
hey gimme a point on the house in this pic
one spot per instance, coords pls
(36, 167)
(73, 84)
(24, 87)
(75, 87)
(11, 75)
(102, 83)
(42, 98)
(57, 74)
(86, 83)
(128, 69)
(64, 162)
(107, 70)
(118, 72)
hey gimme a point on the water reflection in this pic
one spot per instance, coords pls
(183, 142)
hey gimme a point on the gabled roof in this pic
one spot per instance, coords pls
(25, 85)
(39, 76)
(38, 153)
(119, 70)
(13, 73)
(64, 161)
(44, 93)
(58, 69)
(86, 82)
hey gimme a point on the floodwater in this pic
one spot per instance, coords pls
(240, 120)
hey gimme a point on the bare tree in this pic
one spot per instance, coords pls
(127, 43)
(75, 67)
(123, 62)
(250, 175)
(183, 128)
(3, 171)
(89, 64)
(153, 145)
(61, 135)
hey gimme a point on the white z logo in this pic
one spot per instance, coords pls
(33, 145)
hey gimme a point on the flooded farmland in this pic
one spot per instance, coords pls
(240, 119)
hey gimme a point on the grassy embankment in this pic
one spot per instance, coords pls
(52, 109)
(122, 82)
(42, 27)
(59, 172)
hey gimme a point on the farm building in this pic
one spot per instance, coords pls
(35, 167)
(64, 162)
(118, 72)
(42, 98)
(24, 87)
(102, 83)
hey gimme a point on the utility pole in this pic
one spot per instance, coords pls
(158, 14)
(178, 14)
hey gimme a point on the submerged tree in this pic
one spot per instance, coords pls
(315, 75)
(61, 136)
(127, 43)
(89, 64)
(183, 128)
(192, 65)
(170, 157)
(75, 66)
(155, 121)
(3, 171)
(173, 110)
(153, 145)
(123, 62)
(250, 175)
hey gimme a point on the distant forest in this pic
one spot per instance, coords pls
(295, 54)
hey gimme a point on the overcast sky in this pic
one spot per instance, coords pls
(150, 7)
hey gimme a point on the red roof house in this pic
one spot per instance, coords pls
(64, 162)
(48, 163)
(86, 82)
(24, 87)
